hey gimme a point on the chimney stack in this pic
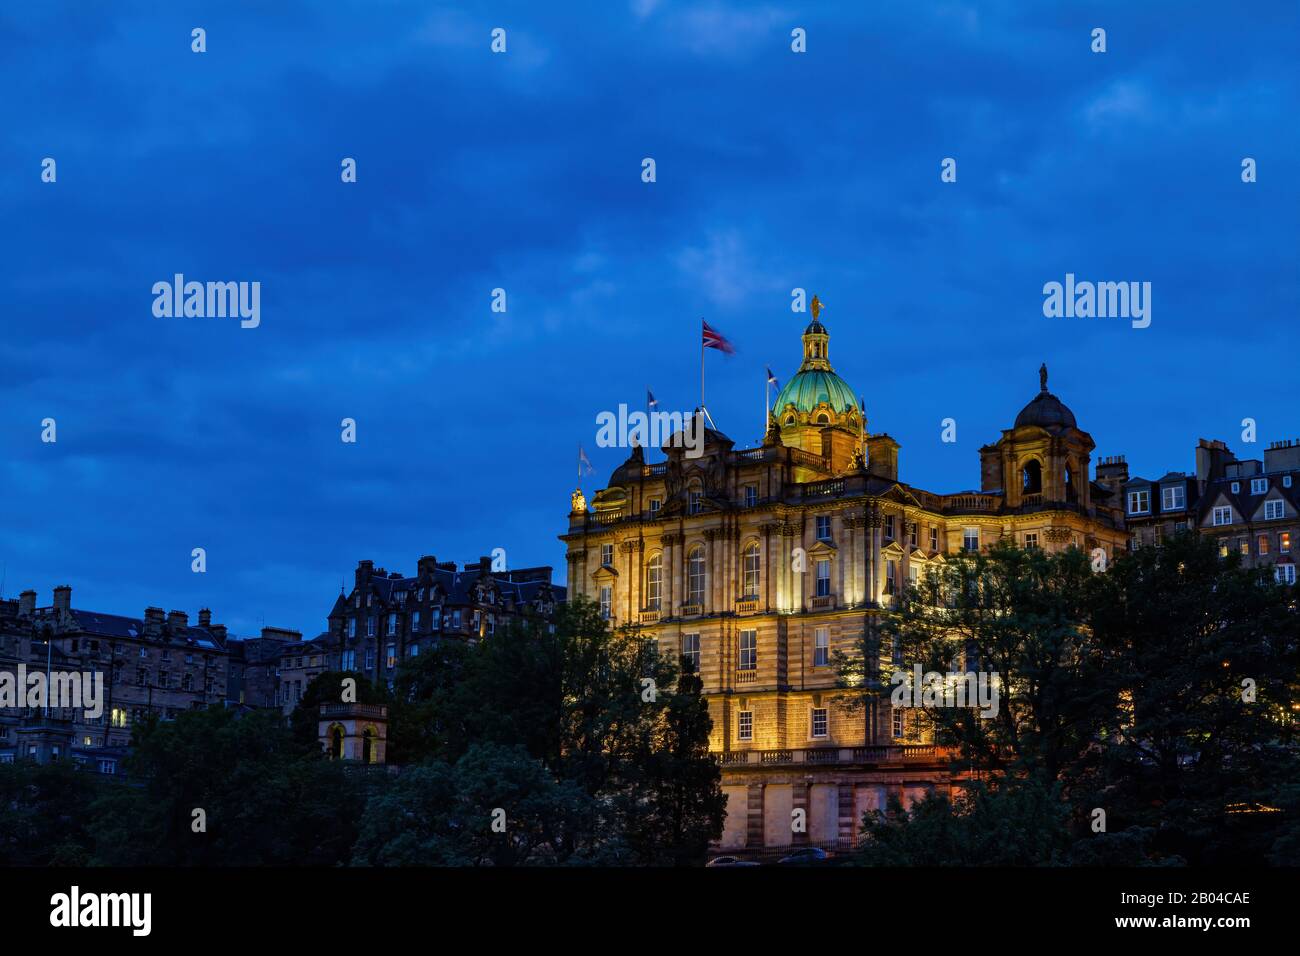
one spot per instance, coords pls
(62, 599)
(27, 604)
(153, 621)
(205, 617)
(426, 565)
(364, 570)
(178, 620)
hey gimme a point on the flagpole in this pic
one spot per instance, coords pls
(701, 368)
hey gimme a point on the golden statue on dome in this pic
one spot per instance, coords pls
(579, 500)
(817, 307)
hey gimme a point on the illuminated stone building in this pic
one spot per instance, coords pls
(758, 565)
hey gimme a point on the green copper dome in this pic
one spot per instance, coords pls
(810, 387)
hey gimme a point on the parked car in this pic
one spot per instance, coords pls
(729, 861)
(808, 854)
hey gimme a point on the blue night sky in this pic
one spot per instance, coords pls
(522, 171)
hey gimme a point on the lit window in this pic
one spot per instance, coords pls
(1284, 542)
(695, 576)
(392, 655)
(750, 569)
(748, 650)
(654, 581)
(819, 722)
(821, 647)
(606, 601)
(823, 577)
(745, 725)
(1262, 544)
(970, 539)
(1243, 545)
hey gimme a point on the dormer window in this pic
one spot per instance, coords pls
(1274, 509)
(1139, 502)
(1222, 516)
(1236, 487)
(1258, 486)
(1174, 498)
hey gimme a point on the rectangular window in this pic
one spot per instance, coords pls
(821, 647)
(606, 601)
(970, 539)
(414, 650)
(607, 555)
(1243, 545)
(1139, 502)
(370, 626)
(823, 577)
(691, 651)
(1031, 540)
(370, 658)
(889, 527)
(1258, 486)
(745, 725)
(751, 496)
(415, 621)
(748, 650)
(392, 629)
(1262, 544)
(1284, 573)
(655, 505)
(392, 656)
(693, 506)
(898, 723)
(435, 617)
(1236, 487)
(823, 527)
(1274, 509)
(891, 577)
(352, 627)
(1173, 499)
(820, 722)
(1222, 516)
(934, 538)
(1286, 481)
(1284, 542)
(911, 534)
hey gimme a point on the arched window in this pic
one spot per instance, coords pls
(823, 419)
(367, 750)
(695, 576)
(789, 419)
(654, 571)
(336, 742)
(749, 566)
(1031, 477)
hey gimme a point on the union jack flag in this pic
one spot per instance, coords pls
(714, 339)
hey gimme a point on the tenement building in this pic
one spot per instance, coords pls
(757, 565)
(388, 616)
(158, 665)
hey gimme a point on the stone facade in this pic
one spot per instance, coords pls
(758, 565)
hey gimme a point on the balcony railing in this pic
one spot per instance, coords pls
(372, 711)
(746, 676)
(824, 489)
(829, 756)
(650, 616)
(746, 605)
(823, 603)
(692, 610)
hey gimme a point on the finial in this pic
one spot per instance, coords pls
(1042, 377)
(817, 307)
